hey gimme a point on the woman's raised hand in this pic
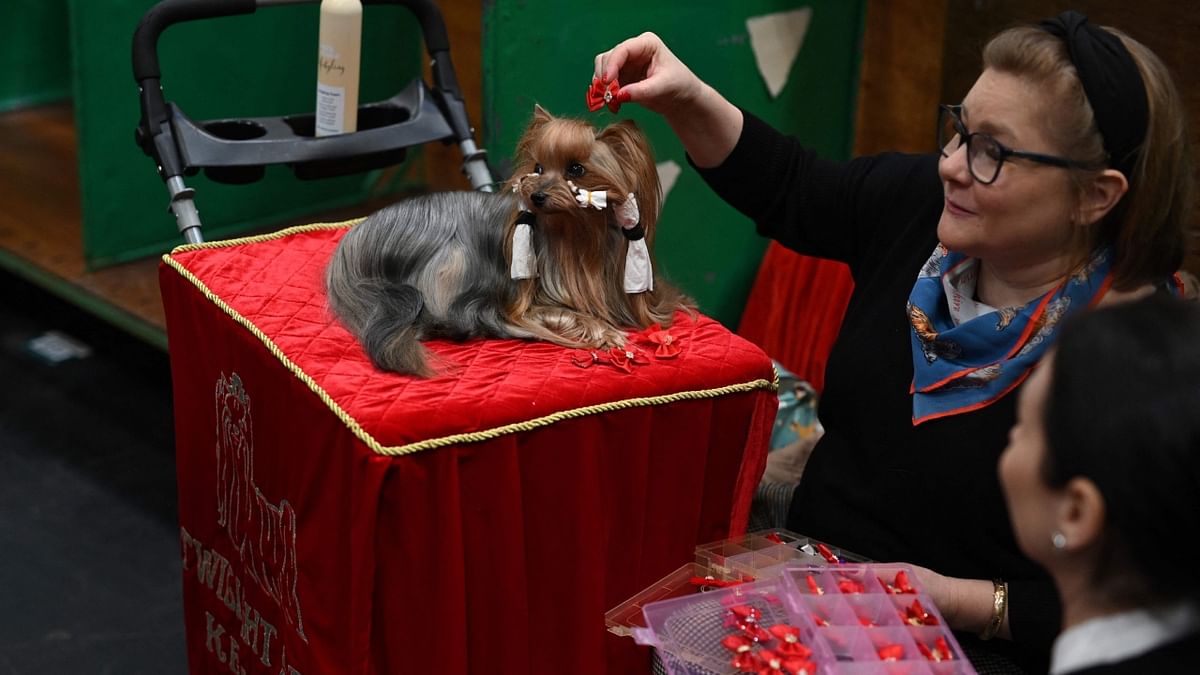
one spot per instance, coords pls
(653, 77)
(650, 74)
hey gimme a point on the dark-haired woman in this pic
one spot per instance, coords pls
(1102, 478)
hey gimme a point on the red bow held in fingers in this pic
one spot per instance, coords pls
(603, 93)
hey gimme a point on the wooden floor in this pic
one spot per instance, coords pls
(41, 237)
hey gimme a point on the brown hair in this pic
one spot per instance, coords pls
(1147, 229)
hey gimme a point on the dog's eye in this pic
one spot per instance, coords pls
(575, 170)
(537, 168)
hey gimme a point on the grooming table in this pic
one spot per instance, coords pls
(336, 519)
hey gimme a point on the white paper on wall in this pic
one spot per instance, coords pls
(776, 40)
(668, 172)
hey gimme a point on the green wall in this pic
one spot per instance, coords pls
(541, 51)
(34, 52)
(262, 64)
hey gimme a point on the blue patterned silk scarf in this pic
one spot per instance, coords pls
(958, 368)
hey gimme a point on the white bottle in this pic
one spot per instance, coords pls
(338, 66)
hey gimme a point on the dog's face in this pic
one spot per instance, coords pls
(556, 156)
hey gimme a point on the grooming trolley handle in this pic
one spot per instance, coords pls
(237, 150)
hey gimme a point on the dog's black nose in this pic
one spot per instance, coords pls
(538, 198)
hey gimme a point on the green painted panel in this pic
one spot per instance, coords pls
(541, 51)
(255, 65)
(34, 51)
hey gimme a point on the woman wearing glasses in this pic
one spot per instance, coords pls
(1063, 182)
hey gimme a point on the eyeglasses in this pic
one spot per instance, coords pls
(985, 155)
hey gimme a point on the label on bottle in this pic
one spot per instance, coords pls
(331, 110)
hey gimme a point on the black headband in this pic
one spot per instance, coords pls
(1111, 82)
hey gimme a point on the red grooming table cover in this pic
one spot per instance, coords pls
(336, 519)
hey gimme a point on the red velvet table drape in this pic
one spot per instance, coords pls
(335, 519)
(795, 309)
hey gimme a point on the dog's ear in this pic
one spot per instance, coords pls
(632, 149)
(540, 116)
(533, 130)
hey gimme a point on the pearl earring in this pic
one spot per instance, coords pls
(1059, 540)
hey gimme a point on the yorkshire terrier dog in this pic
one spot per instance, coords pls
(561, 255)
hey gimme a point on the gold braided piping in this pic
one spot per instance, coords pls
(259, 238)
(472, 437)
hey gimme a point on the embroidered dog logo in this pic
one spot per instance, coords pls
(263, 533)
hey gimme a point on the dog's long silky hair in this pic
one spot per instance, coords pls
(437, 265)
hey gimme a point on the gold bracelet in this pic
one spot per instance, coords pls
(999, 609)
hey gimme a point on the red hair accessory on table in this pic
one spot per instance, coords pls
(603, 93)
(665, 345)
(621, 358)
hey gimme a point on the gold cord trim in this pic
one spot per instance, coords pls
(259, 238)
(472, 437)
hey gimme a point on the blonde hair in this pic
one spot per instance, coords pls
(1147, 229)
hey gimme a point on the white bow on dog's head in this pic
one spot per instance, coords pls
(523, 266)
(639, 276)
(597, 199)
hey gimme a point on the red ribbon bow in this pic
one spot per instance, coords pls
(624, 358)
(746, 619)
(773, 663)
(940, 652)
(811, 582)
(667, 348)
(916, 615)
(827, 554)
(714, 583)
(902, 584)
(849, 585)
(602, 93)
(789, 641)
(621, 358)
(891, 652)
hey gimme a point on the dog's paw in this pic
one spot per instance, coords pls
(611, 337)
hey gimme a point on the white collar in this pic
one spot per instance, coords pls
(1117, 637)
(959, 286)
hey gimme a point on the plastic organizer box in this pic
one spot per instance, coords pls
(719, 563)
(825, 619)
(757, 554)
(765, 553)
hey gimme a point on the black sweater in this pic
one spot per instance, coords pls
(875, 484)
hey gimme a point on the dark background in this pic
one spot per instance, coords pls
(89, 540)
